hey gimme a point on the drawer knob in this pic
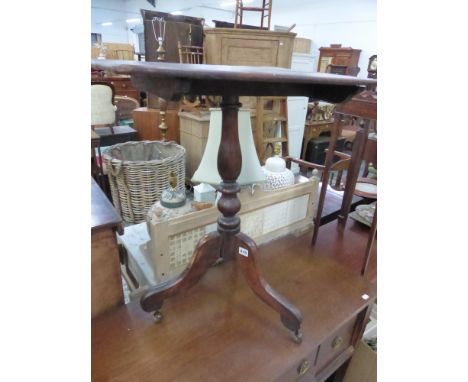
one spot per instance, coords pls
(303, 367)
(337, 342)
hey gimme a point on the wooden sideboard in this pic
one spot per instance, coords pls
(122, 85)
(106, 281)
(219, 330)
(336, 55)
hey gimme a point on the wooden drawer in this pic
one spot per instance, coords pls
(335, 344)
(124, 87)
(301, 371)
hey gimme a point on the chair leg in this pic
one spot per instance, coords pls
(353, 171)
(326, 176)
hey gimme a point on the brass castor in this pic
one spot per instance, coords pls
(218, 262)
(297, 337)
(157, 316)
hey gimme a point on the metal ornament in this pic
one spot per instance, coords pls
(159, 36)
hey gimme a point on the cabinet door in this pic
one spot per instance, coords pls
(240, 51)
(324, 62)
(342, 59)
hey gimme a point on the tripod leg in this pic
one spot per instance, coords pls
(206, 253)
(291, 317)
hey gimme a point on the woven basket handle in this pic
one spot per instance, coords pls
(115, 171)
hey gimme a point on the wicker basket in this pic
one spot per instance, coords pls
(139, 172)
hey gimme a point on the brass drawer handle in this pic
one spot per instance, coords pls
(337, 342)
(303, 367)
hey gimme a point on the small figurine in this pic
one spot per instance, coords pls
(171, 197)
(277, 175)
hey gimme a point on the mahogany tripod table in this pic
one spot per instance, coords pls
(171, 81)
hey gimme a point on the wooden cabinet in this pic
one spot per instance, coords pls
(193, 136)
(106, 281)
(336, 55)
(225, 46)
(240, 340)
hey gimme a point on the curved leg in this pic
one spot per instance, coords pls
(291, 317)
(206, 253)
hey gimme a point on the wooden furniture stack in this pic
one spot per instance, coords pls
(335, 54)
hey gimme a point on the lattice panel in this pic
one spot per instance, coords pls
(181, 246)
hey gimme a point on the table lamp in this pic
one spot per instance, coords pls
(251, 171)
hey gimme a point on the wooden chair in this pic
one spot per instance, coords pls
(125, 106)
(118, 51)
(189, 54)
(362, 108)
(264, 9)
(341, 162)
(338, 167)
(102, 105)
(103, 116)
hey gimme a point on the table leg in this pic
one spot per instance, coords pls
(228, 241)
(291, 317)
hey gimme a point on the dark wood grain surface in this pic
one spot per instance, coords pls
(172, 80)
(103, 213)
(219, 330)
